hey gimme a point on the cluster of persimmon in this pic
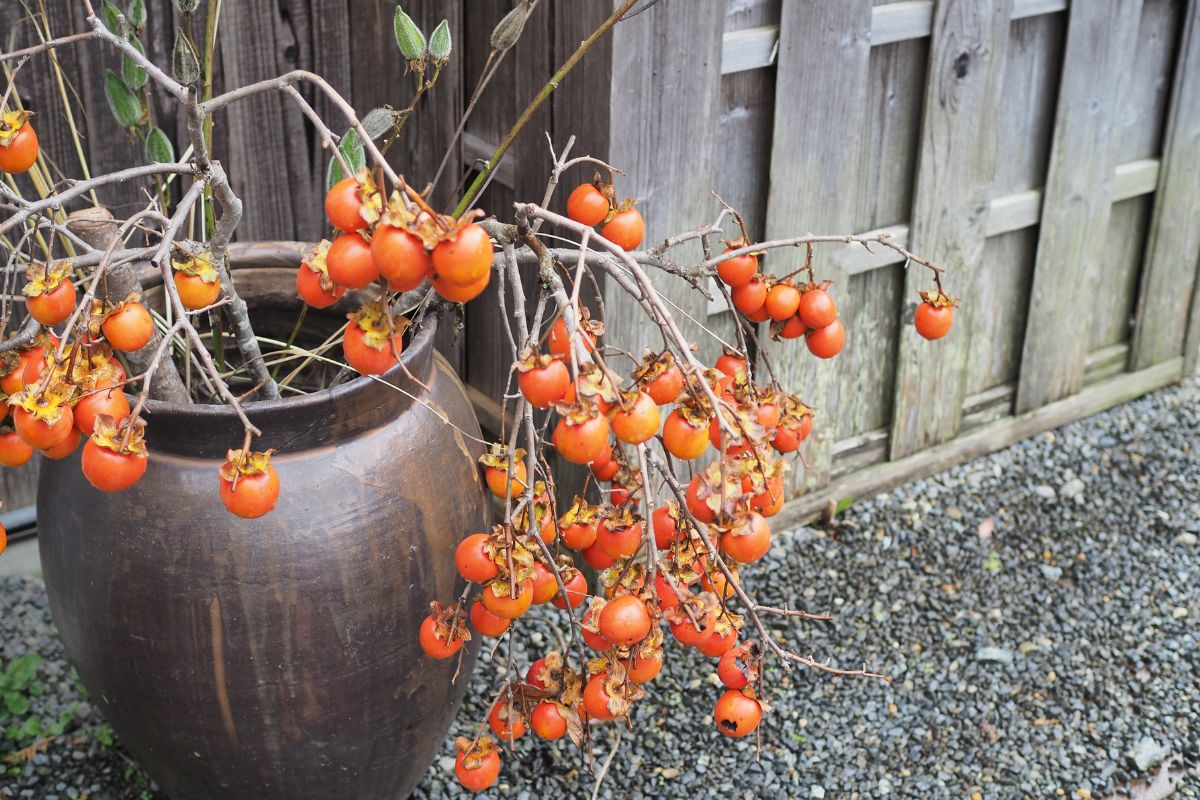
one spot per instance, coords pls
(673, 565)
(395, 246)
(596, 203)
(794, 310)
(59, 394)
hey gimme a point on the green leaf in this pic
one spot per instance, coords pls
(32, 727)
(409, 38)
(111, 17)
(355, 157)
(843, 504)
(439, 43)
(135, 76)
(17, 704)
(135, 12)
(184, 61)
(123, 103)
(37, 688)
(379, 121)
(158, 147)
(64, 719)
(21, 671)
(992, 563)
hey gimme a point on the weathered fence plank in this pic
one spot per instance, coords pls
(1078, 198)
(814, 162)
(1173, 248)
(1141, 115)
(663, 132)
(954, 182)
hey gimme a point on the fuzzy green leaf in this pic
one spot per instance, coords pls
(111, 17)
(439, 43)
(20, 672)
(355, 156)
(135, 76)
(135, 12)
(32, 727)
(409, 38)
(125, 106)
(187, 6)
(17, 704)
(159, 149)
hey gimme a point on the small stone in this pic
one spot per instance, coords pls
(447, 763)
(994, 655)
(1083, 794)
(1180, 613)
(670, 773)
(1042, 490)
(816, 792)
(1148, 753)
(1050, 572)
(1072, 488)
(1186, 538)
(885, 786)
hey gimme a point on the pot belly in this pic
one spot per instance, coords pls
(274, 658)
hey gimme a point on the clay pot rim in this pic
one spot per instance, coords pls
(412, 359)
(353, 407)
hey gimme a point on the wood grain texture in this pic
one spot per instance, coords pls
(1078, 197)
(954, 182)
(1173, 247)
(815, 157)
(668, 147)
(1141, 113)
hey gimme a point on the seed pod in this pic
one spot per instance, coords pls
(508, 30)
(184, 61)
(439, 44)
(409, 38)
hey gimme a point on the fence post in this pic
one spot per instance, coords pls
(955, 172)
(1101, 39)
(821, 96)
(1162, 328)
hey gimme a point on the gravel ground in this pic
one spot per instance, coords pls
(1038, 610)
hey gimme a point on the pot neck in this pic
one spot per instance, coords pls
(303, 422)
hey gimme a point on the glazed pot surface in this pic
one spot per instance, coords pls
(278, 657)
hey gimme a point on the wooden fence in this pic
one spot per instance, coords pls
(1046, 152)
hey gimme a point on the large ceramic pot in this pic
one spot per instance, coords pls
(275, 658)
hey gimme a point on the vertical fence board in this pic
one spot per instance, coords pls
(999, 303)
(814, 158)
(1001, 289)
(1174, 241)
(747, 107)
(1078, 197)
(864, 381)
(668, 147)
(954, 179)
(891, 138)
(1141, 113)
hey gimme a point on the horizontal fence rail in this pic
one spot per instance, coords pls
(755, 48)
